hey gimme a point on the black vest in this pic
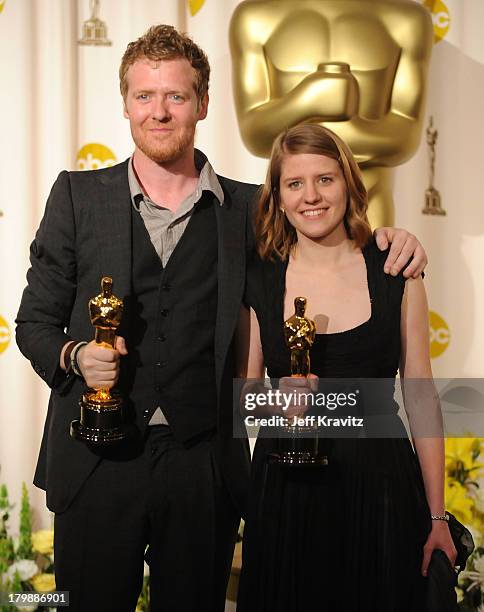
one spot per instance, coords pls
(172, 326)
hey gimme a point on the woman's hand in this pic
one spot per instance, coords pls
(439, 538)
(296, 391)
(290, 399)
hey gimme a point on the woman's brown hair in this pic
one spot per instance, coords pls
(275, 236)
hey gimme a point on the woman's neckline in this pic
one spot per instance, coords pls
(360, 326)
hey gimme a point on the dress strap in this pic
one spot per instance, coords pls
(386, 291)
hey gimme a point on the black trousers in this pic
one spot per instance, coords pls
(159, 494)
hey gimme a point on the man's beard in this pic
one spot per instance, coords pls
(168, 151)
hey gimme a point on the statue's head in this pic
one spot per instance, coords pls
(300, 306)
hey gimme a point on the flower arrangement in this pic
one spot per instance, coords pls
(143, 604)
(26, 563)
(465, 499)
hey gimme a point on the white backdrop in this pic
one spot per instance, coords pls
(58, 99)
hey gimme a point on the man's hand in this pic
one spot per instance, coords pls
(296, 391)
(100, 365)
(403, 246)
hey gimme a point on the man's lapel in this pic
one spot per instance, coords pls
(231, 228)
(113, 228)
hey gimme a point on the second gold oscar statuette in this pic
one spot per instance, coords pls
(299, 444)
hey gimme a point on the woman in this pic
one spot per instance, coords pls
(357, 534)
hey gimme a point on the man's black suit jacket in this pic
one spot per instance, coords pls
(86, 234)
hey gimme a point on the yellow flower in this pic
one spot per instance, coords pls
(461, 449)
(43, 541)
(460, 594)
(462, 459)
(43, 583)
(457, 502)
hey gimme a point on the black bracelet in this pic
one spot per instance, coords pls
(67, 357)
(74, 363)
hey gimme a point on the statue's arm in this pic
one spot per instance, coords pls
(396, 136)
(260, 116)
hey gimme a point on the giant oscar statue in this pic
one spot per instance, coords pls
(358, 67)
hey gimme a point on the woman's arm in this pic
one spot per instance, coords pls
(423, 410)
(416, 372)
(249, 357)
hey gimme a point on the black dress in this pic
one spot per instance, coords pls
(348, 536)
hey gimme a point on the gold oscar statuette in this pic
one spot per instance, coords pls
(299, 332)
(102, 419)
(357, 67)
(94, 30)
(433, 202)
(299, 443)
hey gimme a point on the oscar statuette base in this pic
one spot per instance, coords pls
(298, 446)
(101, 422)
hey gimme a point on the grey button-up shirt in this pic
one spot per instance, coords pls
(165, 227)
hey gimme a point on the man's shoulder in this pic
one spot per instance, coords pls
(102, 175)
(83, 186)
(238, 188)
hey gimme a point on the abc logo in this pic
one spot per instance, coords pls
(5, 335)
(440, 18)
(439, 334)
(94, 156)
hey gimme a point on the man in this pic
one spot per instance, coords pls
(174, 237)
